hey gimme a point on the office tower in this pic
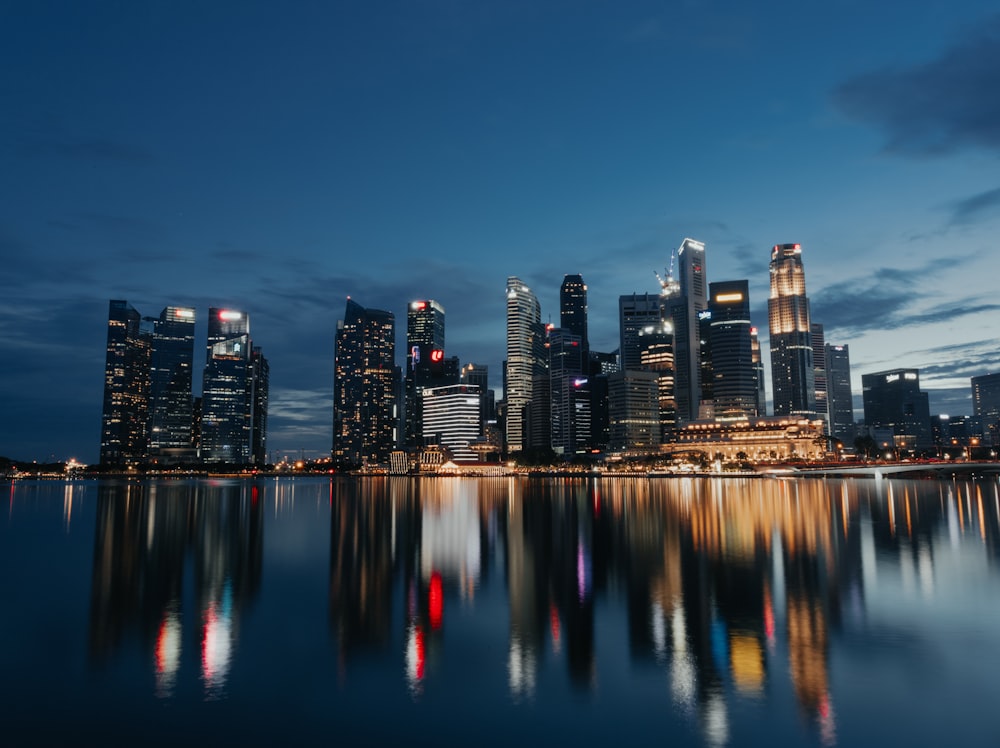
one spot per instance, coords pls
(568, 392)
(424, 354)
(684, 311)
(734, 380)
(657, 346)
(601, 366)
(260, 382)
(792, 369)
(479, 376)
(758, 372)
(227, 415)
(525, 351)
(706, 388)
(124, 422)
(451, 419)
(365, 387)
(170, 375)
(636, 312)
(986, 405)
(635, 410)
(573, 310)
(819, 372)
(893, 400)
(840, 398)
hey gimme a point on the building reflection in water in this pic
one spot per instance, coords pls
(149, 539)
(729, 584)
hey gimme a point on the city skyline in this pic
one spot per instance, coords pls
(429, 153)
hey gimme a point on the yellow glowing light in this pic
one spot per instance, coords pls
(722, 298)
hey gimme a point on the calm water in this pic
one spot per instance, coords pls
(500, 612)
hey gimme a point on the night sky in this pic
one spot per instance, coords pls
(278, 158)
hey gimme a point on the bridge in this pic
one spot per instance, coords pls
(897, 470)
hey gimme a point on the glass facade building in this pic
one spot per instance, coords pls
(451, 419)
(170, 376)
(525, 357)
(792, 369)
(424, 358)
(840, 397)
(365, 415)
(125, 415)
(227, 389)
(893, 400)
(734, 381)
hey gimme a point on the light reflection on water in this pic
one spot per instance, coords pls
(718, 612)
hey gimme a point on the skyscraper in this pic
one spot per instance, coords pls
(170, 377)
(734, 382)
(424, 354)
(569, 403)
(840, 399)
(792, 369)
(819, 372)
(227, 389)
(260, 384)
(758, 372)
(124, 422)
(365, 418)
(525, 351)
(635, 410)
(636, 312)
(893, 400)
(684, 312)
(573, 310)
(986, 405)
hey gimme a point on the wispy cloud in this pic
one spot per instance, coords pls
(985, 205)
(937, 107)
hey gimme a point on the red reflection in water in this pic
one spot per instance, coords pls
(554, 625)
(435, 600)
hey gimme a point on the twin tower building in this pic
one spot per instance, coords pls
(150, 416)
(686, 354)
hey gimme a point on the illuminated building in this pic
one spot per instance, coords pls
(479, 375)
(573, 311)
(893, 400)
(451, 419)
(424, 354)
(170, 375)
(684, 312)
(365, 419)
(635, 410)
(734, 383)
(657, 355)
(260, 376)
(636, 312)
(986, 405)
(525, 352)
(759, 439)
(792, 368)
(758, 372)
(840, 398)
(227, 389)
(819, 371)
(569, 393)
(124, 422)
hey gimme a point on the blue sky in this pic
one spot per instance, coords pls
(280, 157)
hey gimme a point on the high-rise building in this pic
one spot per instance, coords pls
(260, 384)
(657, 355)
(819, 372)
(479, 376)
(792, 369)
(525, 357)
(365, 417)
(893, 400)
(734, 381)
(125, 417)
(573, 310)
(758, 371)
(569, 402)
(986, 405)
(636, 312)
(635, 410)
(227, 389)
(424, 358)
(684, 310)
(451, 418)
(840, 398)
(170, 375)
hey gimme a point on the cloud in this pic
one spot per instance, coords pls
(938, 107)
(972, 209)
